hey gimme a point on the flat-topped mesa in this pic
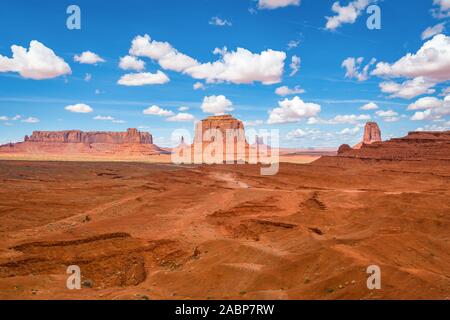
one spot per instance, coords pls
(131, 136)
(224, 124)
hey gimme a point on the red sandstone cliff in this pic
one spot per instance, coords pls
(131, 136)
(129, 144)
(372, 133)
(416, 146)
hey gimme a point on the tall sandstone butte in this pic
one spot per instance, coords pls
(226, 128)
(131, 136)
(372, 134)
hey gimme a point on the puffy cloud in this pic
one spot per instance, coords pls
(181, 117)
(408, 89)
(79, 108)
(426, 103)
(422, 115)
(353, 67)
(30, 120)
(38, 62)
(143, 78)
(286, 91)
(4, 118)
(131, 63)
(167, 56)
(217, 105)
(198, 86)
(432, 31)
(183, 108)
(347, 14)
(431, 61)
(295, 65)
(158, 111)
(240, 66)
(369, 106)
(435, 109)
(216, 21)
(292, 110)
(274, 4)
(88, 57)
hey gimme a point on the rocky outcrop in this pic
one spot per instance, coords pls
(219, 126)
(131, 136)
(75, 144)
(343, 149)
(372, 134)
(416, 146)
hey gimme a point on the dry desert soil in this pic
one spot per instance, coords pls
(161, 231)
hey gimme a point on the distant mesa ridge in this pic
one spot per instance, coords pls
(130, 144)
(131, 136)
(416, 146)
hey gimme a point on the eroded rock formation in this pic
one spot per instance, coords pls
(219, 126)
(372, 134)
(131, 136)
(76, 143)
(416, 146)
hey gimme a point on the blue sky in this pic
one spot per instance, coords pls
(324, 111)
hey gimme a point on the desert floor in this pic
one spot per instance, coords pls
(161, 231)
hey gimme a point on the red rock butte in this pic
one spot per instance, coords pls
(73, 143)
(224, 127)
(76, 136)
(372, 134)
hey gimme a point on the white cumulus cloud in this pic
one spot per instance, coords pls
(143, 78)
(286, 91)
(369, 106)
(131, 63)
(408, 89)
(431, 61)
(79, 108)
(217, 105)
(292, 110)
(346, 14)
(38, 62)
(88, 57)
(274, 4)
(240, 66)
(158, 111)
